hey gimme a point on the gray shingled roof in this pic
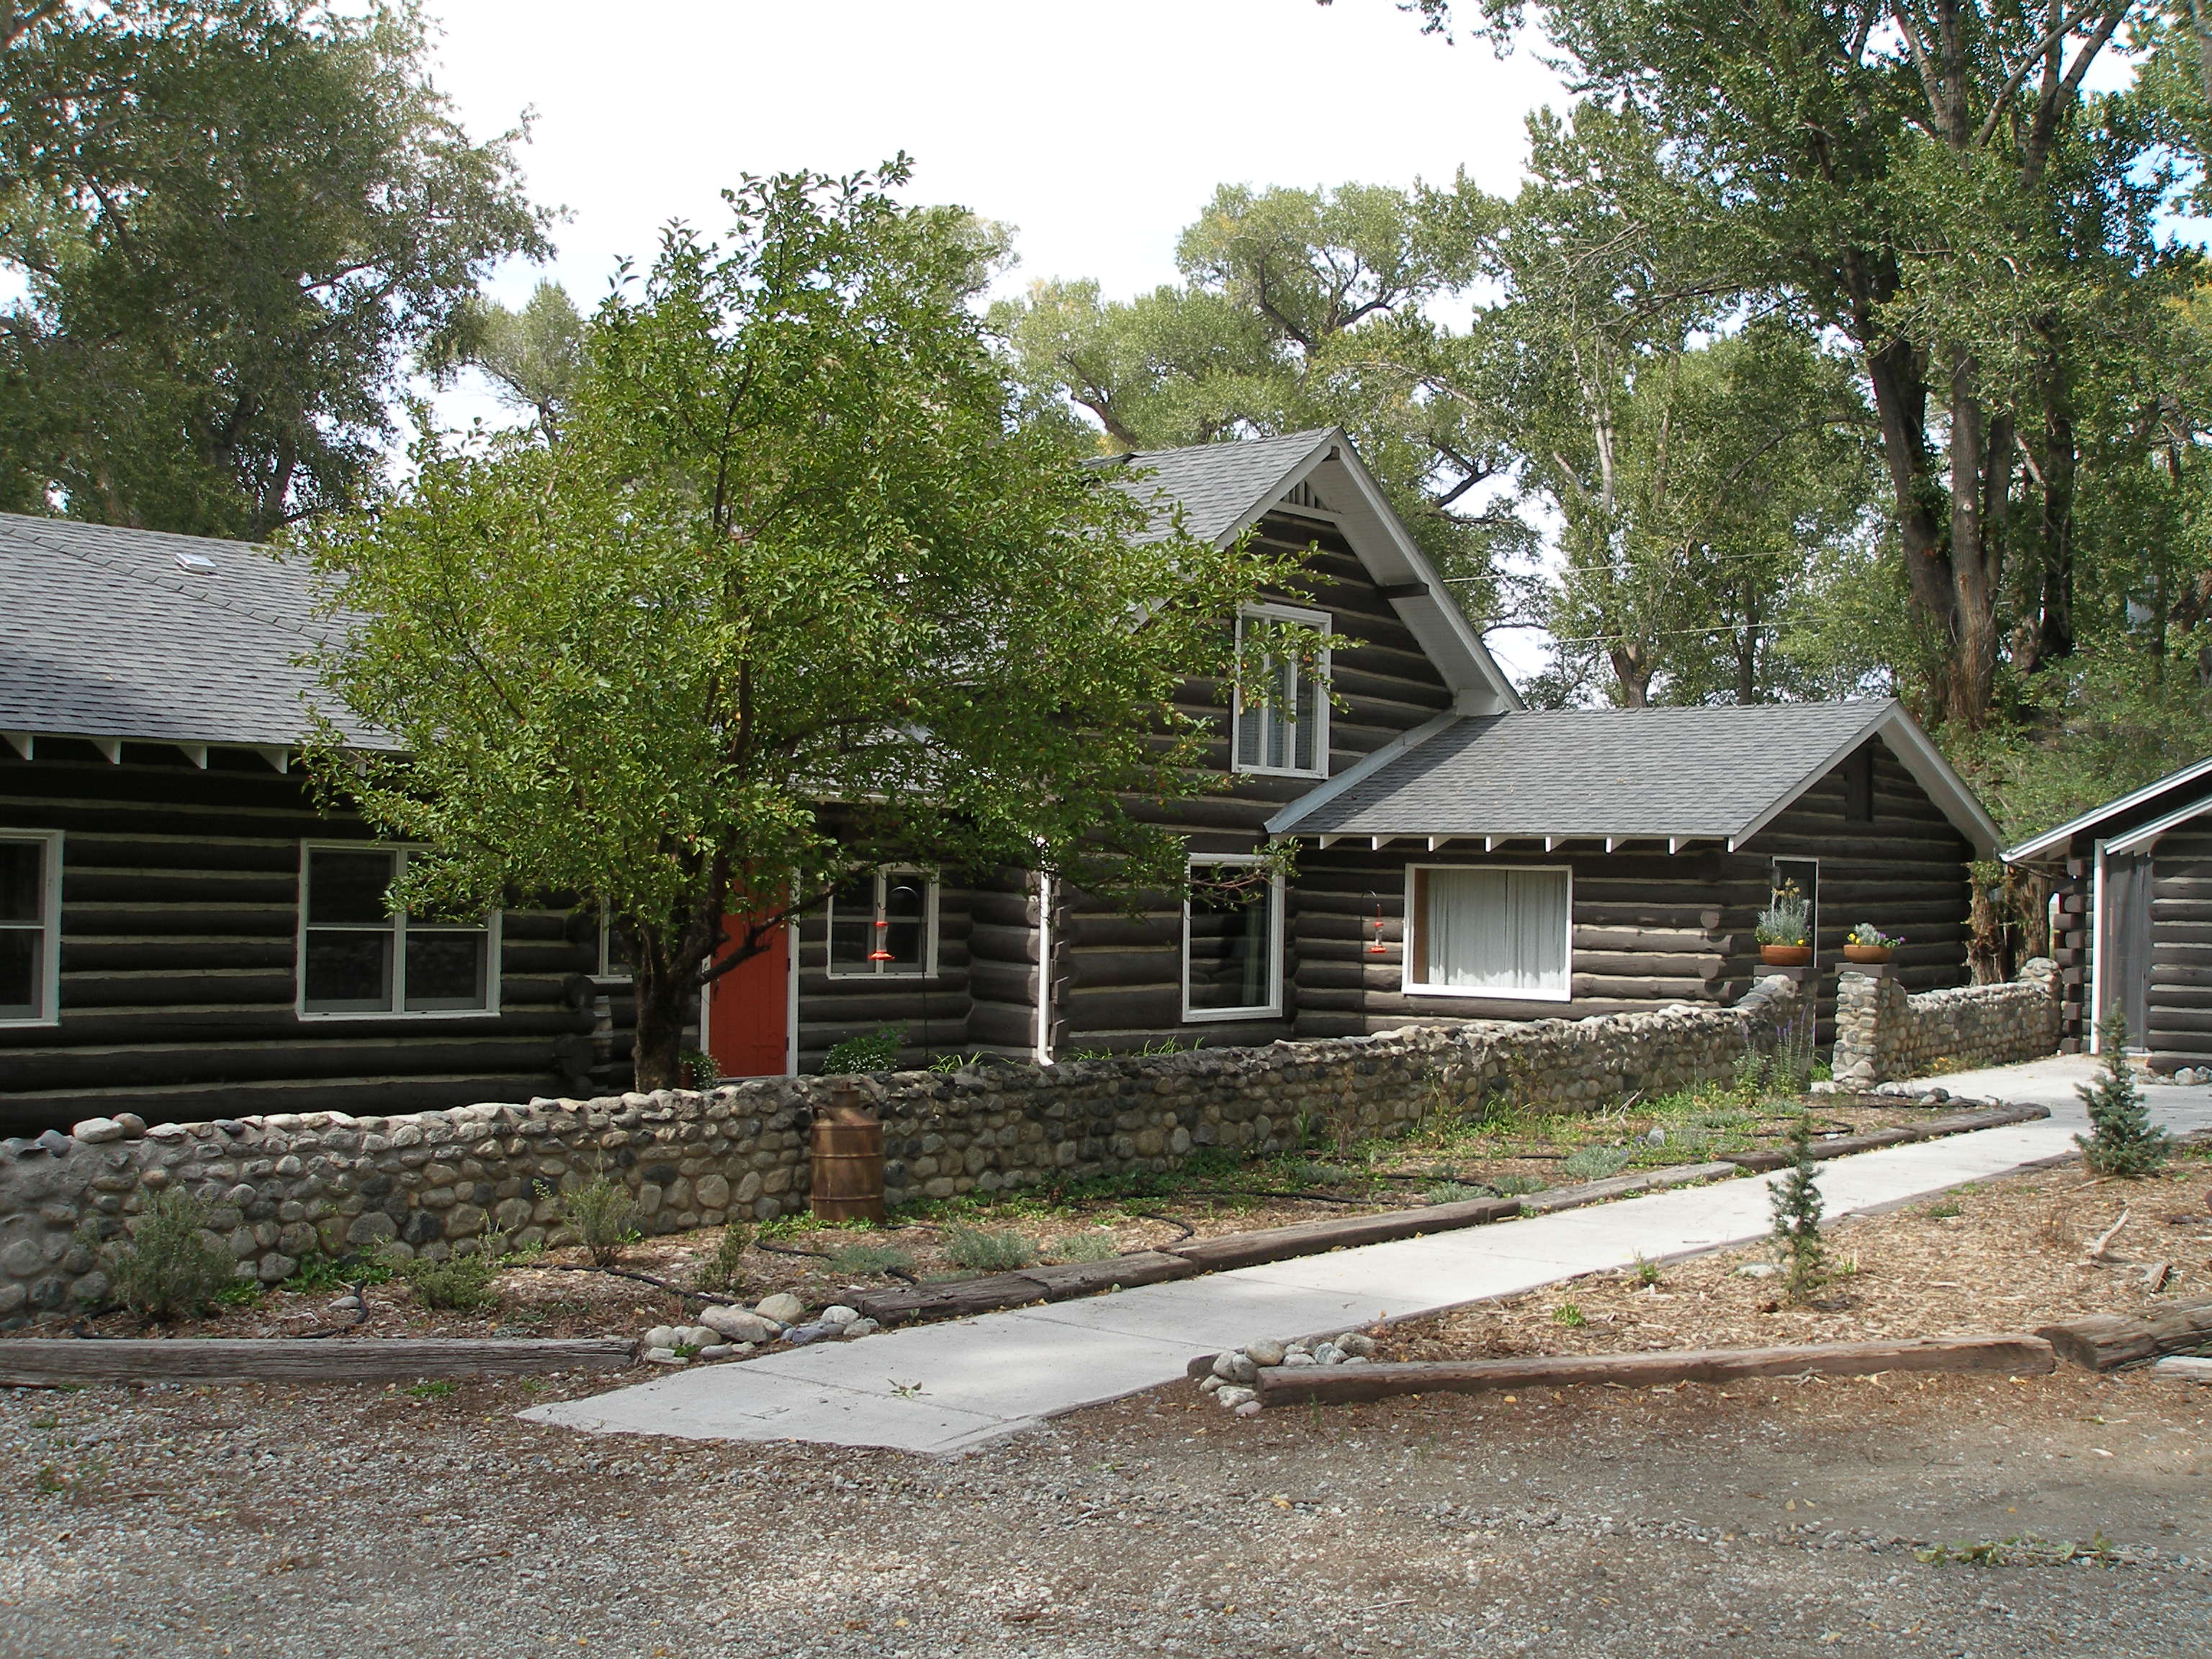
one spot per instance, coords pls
(104, 634)
(1703, 772)
(1217, 485)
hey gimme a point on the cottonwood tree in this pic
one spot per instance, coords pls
(237, 223)
(791, 597)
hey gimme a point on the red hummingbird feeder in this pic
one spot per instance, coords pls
(1377, 948)
(879, 954)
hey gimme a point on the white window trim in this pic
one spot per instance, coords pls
(50, 930)
(1272, 1008)
(397, 1010)
(1321, 623)
(884, 878)
(603, 967)
(1414, 947)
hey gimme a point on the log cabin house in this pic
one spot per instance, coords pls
(184, 935)
(2131, 923)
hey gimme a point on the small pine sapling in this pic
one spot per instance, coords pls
(1797, 1215)
(2122, 1141)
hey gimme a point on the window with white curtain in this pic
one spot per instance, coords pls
(1286, 731)
(1489, 931)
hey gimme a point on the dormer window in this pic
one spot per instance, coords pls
(1283, 731)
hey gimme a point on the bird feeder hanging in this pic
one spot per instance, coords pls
(1377, 947)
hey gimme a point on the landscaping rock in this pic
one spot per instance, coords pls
(1757, 1270)
(861, 1328)
(1292, 1361)
(1235, 1367)
(838, 1314)
(663, 1336)
(783, 1308)
(1209, 1384)
(658, 1356)
(800, 1335)
(1230, 1395)
(737, 1325)
(1248, 1409)
(697, 1336)
(1356, 1344)
(1265, 1352)
(715, 1351)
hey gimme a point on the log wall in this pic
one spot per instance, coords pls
(179, 928)
(2180, 1007)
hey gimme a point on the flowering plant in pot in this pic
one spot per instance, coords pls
(1781, 932)
(1868, 943)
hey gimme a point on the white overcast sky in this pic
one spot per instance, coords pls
(1098, 131)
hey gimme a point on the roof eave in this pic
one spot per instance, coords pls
(2055, 840)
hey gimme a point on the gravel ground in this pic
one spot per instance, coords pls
(1763, 1521)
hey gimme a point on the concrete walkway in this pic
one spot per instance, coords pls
(946, 1388)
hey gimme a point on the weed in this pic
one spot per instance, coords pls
(878, 1051)
(869, 1258)
(985, 1252)
(1095, 1244)
(601, 1211)
(459, 1283)
(1596, 1162)
(171, 1266)
(1943, 1209)
(1080, 1055)
(438, 1391)
(1455, 1192)
(958, 1062)
(319, 1275)
(2122, 1141)
(1571, 1315)
(1796, 1203)
(241, 1293)
(1647, 1273)
(724, 1271)
(1174, 1046)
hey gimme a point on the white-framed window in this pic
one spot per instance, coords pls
(883, 924)
(30, 926)
(612, 960)
(1287, 734)
(357, 960)
(1485, 930)
(1232, 939)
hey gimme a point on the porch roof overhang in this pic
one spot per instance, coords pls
(1679, 776)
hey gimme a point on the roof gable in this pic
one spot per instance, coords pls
(2175, 796)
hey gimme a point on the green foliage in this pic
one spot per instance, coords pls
(170, 1267)
(532, 357)
(1095, 1244)
(874, 1051)
(318, 1274)
(239, 224)
(1647, 1273)
(1570, 1315)
(869, 1258)
(1866, 935)
(948, 1063)
(724, 1271)
(1943, 1209)
(1796, 1210)
(788, 465)
(439, 1390)
(459, 1284)
(1785, 918)
(2122, 1141)
(1305, 1172)
(700, 1070)
(1596, 1162)
(1517, 1186)
(1455, 1192)
(241, 1293)
(983, 1251)
(600, 1211)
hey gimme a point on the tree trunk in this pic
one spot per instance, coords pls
(1632, 668)
(665, 1000)
(2054, 634)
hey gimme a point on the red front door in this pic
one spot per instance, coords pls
(748, 1009)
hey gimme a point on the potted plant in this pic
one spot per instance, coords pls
(1868, 943)
(1782, 940)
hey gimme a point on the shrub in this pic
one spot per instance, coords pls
(1456, 1192)
(1311, 1174)
(869, 1258)
(1092, 1244)
(2121, 1140)
(601, 1211)
(1783, 921)
(1516, 1185)
(984, 1252)
(459, 1283)
(170, 1268)
(879, 1051)
(724, 1271)
(1596, 1162)
(317, 1275)
(1796, 1203)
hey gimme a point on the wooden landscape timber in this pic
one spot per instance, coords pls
(2016, 1352)
(42, 1362)
(993, 1291)
(2104, 1342)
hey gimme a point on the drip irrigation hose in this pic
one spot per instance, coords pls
(1188, 1231)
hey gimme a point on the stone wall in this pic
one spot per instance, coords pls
(284, 1187)
(1882, 1034)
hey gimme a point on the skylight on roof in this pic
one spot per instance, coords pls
(198, 563)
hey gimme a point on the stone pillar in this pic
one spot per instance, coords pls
(1871, 1012)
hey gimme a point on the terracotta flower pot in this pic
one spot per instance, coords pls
(1785, 956)
(1868, 953)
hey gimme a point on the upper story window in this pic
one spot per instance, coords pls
(883, 923)
(1489, 931)
(1285, 731)
(358, 958)
(30, 927)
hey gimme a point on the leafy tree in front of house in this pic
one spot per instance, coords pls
(793, 596)
(237, 225)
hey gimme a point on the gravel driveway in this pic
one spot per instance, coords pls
(1762, 1520)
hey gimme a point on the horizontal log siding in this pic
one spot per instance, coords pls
(934, 1010)
(1905, 873)
(1123, 975)
(2180, 1004)
(179, 933)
